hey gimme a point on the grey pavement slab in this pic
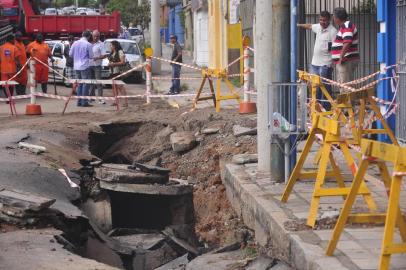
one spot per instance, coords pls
(257, 200)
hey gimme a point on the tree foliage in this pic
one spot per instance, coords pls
(131, 12)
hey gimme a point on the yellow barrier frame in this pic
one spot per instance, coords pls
(220, 75)
(330, 130)
(378, 153)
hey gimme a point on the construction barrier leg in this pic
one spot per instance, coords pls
(74, 87)
(345, 212)
(388, 246)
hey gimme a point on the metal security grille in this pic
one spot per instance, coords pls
(361, 12)
(401, 59)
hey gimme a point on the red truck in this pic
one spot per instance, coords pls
(21, 14)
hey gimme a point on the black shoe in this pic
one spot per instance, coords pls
(170, 93)
(87, 105)
(176, 92)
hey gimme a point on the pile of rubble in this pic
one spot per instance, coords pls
(20, 208)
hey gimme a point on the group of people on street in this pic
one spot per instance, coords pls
(87, 54)
(13, 57)
(83, 61)
(334, 48)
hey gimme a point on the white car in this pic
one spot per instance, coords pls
(85, 11)
(133, 56)
(69, 11)
(51, 11)
(58, 48)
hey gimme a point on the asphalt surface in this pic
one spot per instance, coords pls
(20, 171)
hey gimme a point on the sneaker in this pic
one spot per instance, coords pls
(87, 105)
(170, 93)
(102, 102)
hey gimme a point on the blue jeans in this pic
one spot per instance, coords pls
(175, 74)
(95, 73)
(83, 88)
(325, 72)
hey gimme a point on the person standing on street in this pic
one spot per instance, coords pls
(96, 64)
(82, 52)
(69, 72)
(22, 77)
(117, 62)
(176, 57)
(9, 60)
(322, 61)
(40, 50)
(345, 47)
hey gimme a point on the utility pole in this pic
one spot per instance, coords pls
(155, 35)
(272, 55)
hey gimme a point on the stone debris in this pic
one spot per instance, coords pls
(177, 264)
(245, 158)
(281, 266)
(118, 173)
(330, 214)
(182, 141)
(261, 263)
(37, 149)
(22, 208)
(218, 261)
(208, 131)
(241, 131)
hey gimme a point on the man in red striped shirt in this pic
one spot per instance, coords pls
(344, 49)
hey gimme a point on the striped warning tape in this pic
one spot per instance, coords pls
(180, 78)
(129, 71)
(235, 61)
(21, 70)
(176, 63)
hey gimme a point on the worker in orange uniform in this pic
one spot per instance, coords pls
(9, 60)
(22, 77)
(40, 50)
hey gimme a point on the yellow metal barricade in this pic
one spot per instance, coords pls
(378, 153)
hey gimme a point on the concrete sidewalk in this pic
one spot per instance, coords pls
(257, 200)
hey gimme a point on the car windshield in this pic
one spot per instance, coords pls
(128, 47)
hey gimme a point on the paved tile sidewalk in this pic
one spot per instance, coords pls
(359, 246)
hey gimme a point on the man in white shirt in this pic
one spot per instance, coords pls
(96, 64)
(322, 60)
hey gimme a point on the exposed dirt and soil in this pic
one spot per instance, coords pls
(147, 140)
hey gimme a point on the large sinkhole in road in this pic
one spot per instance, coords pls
(146, 213)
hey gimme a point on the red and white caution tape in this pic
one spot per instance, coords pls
(176, 63)
(21, 70)
(235, 61)
(180, 78)
(129, 71)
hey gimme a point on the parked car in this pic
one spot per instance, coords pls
(58, 48)
(51, 11)
(69, 10)
(133, 56)
(130, 48)
(85, 11)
